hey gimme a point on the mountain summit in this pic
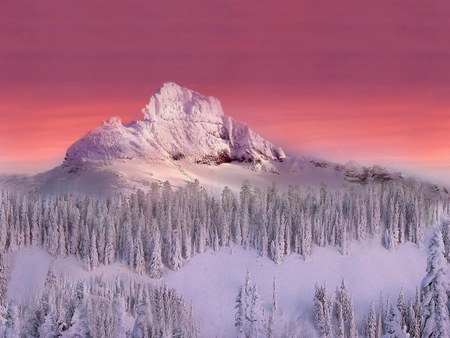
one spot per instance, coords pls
(180, 132)
(178, 124)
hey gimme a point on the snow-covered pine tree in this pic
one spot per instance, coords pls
(159, 310)
(126, 237)
(270, 327)
(379, 326)
(139, 262)
(240, 319)
(249, 318)
(276, 254)
(85, 246)
(80, 323)
(49, 329)
(155, 265)
(446, 238)
(257, 320)
(215, 241)
(372, 322)
(62, 249)
(352, 331)
(340, 327)
(418, 217)
(226, 208)
(413, 322)
(306, 237)
(394, 223)
(343, 237)
(175, 259)
(186, 240)
(142, 326)
(31, 326)
(245, 195)
(376, 212)
(3, 229)
(435, 314)
(388, 240)
(322, 311)
(11, 330)
(52, 235)
(401, 306)
(80, 290)
(118, 309)
(287, 236)
(343, 298)
(393, 324)
(3, 281)
(74, 230)
(264, 251)
(237, 232)
(275, 306)
(93, 254)
(44, 306)
(110, 241)
(418, 306)
(362, 219)
(50, 279)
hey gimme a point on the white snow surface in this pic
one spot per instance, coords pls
(211, 280)
(178, 123)
(123, 176)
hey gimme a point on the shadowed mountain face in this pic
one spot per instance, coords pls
(178, 124)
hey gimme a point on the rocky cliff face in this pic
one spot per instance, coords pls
(178, 124)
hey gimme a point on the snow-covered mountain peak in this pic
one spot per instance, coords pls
(178, 124)
(173, 102)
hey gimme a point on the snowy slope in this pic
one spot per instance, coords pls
(122, 176)
(211, 280)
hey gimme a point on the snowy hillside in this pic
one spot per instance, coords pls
(122, 177)
(368, 270)
(151, 254)
(211, 280)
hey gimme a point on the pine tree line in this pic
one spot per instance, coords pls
(167, 226)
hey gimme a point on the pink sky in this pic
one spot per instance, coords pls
(368, 81)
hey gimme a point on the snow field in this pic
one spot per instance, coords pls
(212, 280)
